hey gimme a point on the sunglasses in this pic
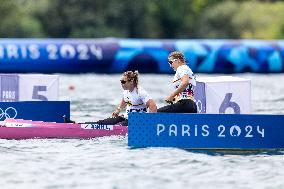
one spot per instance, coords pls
(123, 81)
(171, 61)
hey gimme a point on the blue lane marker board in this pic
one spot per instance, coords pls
(35, 110)
(206, 131)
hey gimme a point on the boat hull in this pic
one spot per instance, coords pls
(79, 133)
(27, 129)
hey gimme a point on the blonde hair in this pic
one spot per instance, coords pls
(178, 55)
(132, 76)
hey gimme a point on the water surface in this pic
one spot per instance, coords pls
(108, 162)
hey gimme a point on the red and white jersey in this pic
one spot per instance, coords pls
(135, 100)
(189, 90)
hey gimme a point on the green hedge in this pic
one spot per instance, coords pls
(142, 18)
(251, 19)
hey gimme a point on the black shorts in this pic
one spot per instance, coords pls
(113, 121)
(182, 106)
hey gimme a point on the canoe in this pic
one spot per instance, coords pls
(28, 129)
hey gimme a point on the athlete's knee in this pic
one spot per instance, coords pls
(162, 109)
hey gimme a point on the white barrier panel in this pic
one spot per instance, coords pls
(38, 87)
(224, 94)
(29, 87)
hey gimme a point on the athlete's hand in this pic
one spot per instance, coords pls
(169, 99)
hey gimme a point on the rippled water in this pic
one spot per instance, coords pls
(108, 163)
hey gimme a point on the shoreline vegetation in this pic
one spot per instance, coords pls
(162, 19)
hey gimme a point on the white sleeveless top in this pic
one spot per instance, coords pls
(189, 90)
(135, 100)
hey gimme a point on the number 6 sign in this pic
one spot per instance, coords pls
(224, 95)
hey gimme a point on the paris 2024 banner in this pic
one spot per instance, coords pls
(112, 55)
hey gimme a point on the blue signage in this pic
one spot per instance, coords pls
(52, 111)
(206, 131)
(111, 55)
(9, 87)
(56, 55)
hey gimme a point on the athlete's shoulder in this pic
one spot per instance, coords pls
(141, 90)
(183, 69)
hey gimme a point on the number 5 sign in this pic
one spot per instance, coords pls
(224, 95)
(38, 87)
(28, 87)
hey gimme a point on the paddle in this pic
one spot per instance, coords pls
(170, 102)
(67, 120)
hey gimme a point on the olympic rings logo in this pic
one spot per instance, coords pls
(9, 112)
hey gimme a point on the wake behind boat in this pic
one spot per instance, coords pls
(28, 129)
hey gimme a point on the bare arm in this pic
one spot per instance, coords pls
(121, 106)
(184, 83)
(151, 105)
